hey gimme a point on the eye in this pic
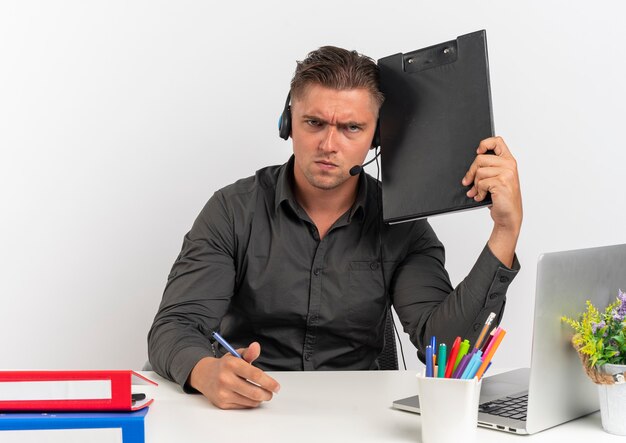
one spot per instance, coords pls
(353, 128)
(313, 123)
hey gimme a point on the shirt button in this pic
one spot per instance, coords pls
(476, 326)
(307, 356)
(492, 296)
(504, 279)
(373, 265)
(316, 271)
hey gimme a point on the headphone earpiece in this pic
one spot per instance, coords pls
(376, 139)
(284, 121)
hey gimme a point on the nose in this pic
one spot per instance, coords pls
(328, 143)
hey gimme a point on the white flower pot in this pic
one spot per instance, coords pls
(613, 402)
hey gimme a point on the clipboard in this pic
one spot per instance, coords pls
(437, 109)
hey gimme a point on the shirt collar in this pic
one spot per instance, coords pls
(284, 191)
(358, 208)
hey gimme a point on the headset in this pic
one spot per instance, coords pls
(284, 125)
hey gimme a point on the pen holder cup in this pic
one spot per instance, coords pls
(449, 409)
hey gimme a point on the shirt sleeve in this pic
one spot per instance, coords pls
(196, 297)
(427, 304)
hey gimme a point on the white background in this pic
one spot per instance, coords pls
(119, 119)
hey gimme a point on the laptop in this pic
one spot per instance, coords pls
(555, 389)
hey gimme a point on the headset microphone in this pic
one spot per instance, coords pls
(356, 169)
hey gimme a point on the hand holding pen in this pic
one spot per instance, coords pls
(231, 382)
(222, 341)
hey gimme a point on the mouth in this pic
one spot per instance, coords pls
(325, 164)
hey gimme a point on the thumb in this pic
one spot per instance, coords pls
(252, 352)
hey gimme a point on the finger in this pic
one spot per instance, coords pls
(481, 175)
(234, 406)
(485, 162)
(481, 194)
(489, 185)
(479, 191)
(258, 377)
(252, 391)
(495, 144)
(252, 352)
(468, 179)
(487, 172)
(252, 374)
(481, 161)
(238, 401)
(243, 368)
(233, 391)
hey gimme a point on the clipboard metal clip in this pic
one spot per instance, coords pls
(431, 57)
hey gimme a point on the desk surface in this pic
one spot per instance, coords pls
(321, 407)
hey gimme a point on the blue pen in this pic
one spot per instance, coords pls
(472, 372)
(433, 343)
(224, 343)
(473, 366)
(429, 361)
(433, 349)
(468, 368)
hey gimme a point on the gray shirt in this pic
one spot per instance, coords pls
(254, 268)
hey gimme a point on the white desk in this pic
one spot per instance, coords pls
(322, 407)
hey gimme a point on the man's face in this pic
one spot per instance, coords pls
(332, 131)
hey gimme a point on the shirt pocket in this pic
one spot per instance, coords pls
(366, 301)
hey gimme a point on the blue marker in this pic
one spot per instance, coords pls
(433, 343)
(472, 366)
(429, 361)
(224, 343)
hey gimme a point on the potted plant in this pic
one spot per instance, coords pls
(600, 340)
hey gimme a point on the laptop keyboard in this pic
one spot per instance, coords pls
(514, 407)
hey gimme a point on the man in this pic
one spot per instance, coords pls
(287, 264)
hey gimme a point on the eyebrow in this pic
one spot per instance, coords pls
(348, 123)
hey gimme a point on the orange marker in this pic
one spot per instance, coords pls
(492, 350)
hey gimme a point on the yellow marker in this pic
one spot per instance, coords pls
(463, 348)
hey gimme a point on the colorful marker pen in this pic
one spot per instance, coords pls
(441, 361)
(474, 365)
(429, 361)
(461, 366)
(463, 348)
(452, 358)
